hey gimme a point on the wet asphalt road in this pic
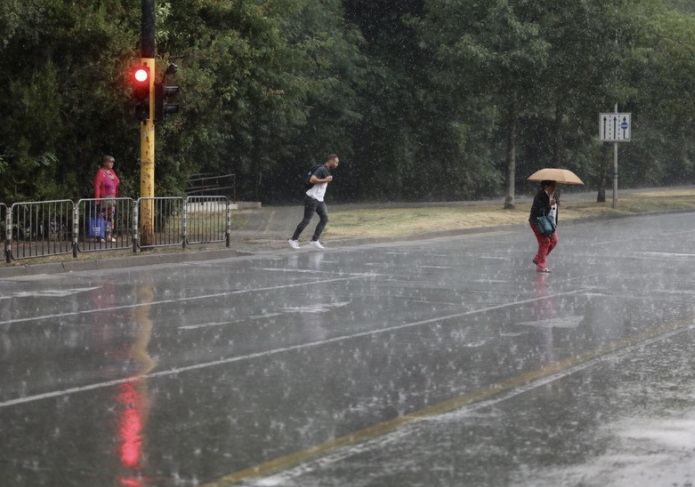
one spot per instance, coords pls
(443, 362)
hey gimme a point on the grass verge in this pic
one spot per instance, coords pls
(400, 222)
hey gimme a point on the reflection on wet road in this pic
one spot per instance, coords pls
(438, 362)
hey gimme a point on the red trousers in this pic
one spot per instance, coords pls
(546, 244)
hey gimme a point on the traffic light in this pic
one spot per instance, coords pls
(141, 92)
(162, 94)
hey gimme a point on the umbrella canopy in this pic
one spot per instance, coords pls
(560, 176)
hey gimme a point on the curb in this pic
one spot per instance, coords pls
(116, 262)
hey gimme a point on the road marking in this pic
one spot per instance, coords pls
(50, 293)
(268, 222)
(267, 353)
(312, 308)
(34, 277)
(556, 322)
(56, 317)
(482, 397)
(662, 255)
(225, 323)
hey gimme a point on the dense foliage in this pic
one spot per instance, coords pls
(422, 99)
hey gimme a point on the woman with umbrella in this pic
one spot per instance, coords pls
(546, 203)
(543, 203)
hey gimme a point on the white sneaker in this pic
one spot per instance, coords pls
(294, 243)
(316, 244)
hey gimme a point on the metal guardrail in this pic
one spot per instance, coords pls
(207, 219)
(101, 227)
(160, 222)
(209, 184)
(5, 227)
(48, 228)
(38, 229)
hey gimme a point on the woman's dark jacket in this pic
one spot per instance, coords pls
(541, 206)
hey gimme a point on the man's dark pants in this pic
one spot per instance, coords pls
(312, 205)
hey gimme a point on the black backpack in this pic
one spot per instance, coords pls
(308, 185)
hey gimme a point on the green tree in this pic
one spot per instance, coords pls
(63, 97)
(491, 51)
(590, 42)
(264, 85)
(663, 101)
(423, 99)
(413, 142)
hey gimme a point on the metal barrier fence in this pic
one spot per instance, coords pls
(40, 229)
(160, 222)
(47, 228)
(105, 225)
(207, 219)
(4, 227)
(209, 184)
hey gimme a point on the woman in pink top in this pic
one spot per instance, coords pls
(106, 191)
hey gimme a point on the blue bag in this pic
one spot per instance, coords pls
(545, 225)
(95, 227)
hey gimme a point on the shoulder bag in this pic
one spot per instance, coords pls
(545, 225)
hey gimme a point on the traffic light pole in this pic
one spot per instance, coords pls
(146, 210)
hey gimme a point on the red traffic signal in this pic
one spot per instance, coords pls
(141, 92)
(142, 75)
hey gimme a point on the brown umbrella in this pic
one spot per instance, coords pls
(560, 176)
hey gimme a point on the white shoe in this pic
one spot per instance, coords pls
(114, 240)
(294, 244)
(316, 244)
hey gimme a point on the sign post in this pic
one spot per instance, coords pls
(615, 127)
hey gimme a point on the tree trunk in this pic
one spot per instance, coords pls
(511, 159)
(558, 143)
(601, 196)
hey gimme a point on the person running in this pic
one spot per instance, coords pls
(314, 202)
(543, 203)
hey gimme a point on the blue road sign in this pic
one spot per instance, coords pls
(615, 127)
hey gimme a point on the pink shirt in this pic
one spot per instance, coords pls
(106, 183)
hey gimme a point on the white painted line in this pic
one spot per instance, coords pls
(56, 317)
(558, 322)
(266, 353)
(51, 293)
(223, 323)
